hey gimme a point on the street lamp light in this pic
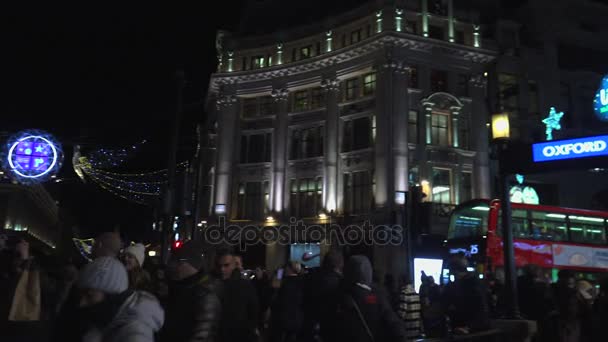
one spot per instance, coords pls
(500, 142)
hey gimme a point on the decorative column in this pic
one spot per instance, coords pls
(331, 150)
(479, 135)
(279, 150)
(428, 109)
(227, 122)
(451, 21)
(401, 107)
(455, 111)
(425, 18)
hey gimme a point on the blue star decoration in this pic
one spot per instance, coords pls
(552, 122)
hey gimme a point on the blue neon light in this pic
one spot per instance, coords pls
(32, 156)
(600, 102)
(570, 149)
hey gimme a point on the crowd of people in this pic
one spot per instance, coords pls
(115, 297)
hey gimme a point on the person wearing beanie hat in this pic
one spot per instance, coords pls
(193, 306)
(133, 259)
(109, 311)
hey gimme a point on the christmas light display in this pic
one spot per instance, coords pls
(600, 102)
(142, 188)
(32, 156)
(84, 246)
(552, 122)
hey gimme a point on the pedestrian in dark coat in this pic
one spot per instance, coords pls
(287, 311)
(363, 315)
(194, 307)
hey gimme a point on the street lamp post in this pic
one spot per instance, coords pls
(500, 135)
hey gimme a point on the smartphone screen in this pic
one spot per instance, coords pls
(280, 273)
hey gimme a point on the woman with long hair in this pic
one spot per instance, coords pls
(133, 258)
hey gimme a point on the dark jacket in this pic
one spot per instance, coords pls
(359, 296)
(287, 318)
(239, 310)
(193, 310)
(466, 303)
(322, 291)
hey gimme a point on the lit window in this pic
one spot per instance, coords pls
(442, 186)
(305, 52)
(306, 197)
(257, 62)
(440, 129)
(369, 84)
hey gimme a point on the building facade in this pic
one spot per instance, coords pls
(338, 122)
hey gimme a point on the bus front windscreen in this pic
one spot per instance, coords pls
(469, 221)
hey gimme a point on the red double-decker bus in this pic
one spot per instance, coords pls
(551, 237)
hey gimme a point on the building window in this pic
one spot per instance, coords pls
(436, 32)
(508, 94)
(439, 80)
(462, 85)
(258, 106)
(357, 192)
(442, 186)
(307, 143)
(305, 52)
(308, 99)
(266, 105)
(440, 129)
(352, 89)
(250, 107)
(316, 98)
(300, 102)
(256, 148)
(369, 84)
(412, 126)
(413, 77)
(466, 187)
(355, 36)
(257, 62)
(357, 134)
(306, 197)
(250, 200)
(463, 132)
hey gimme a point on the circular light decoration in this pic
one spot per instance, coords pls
(32, 156)
(600, 102)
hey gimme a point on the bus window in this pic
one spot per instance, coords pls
(549, 226)
(586, 229)
(519, 224)
(468, 222)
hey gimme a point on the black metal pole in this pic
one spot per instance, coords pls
(509, 259)
(169, 204)
(408, 241)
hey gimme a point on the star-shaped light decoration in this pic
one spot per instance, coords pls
(519, 178)
(552, 122)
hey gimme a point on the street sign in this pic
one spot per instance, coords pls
(570, 149)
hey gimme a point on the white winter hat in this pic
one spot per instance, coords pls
(138, 251)
(105, 274)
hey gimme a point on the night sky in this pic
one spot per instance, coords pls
(104, 77)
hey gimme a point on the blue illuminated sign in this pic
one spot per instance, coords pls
(570, 149)
(32, 156)
(600, 102)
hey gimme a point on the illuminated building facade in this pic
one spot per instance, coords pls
(337, 122)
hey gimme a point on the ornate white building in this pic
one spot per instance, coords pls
(338, 122)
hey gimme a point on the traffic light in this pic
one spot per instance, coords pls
(177, 244)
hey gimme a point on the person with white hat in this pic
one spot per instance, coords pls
(109, 311)
(133, 258)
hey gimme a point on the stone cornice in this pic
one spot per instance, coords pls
(365, 47)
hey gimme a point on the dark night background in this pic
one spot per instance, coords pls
(104, 77)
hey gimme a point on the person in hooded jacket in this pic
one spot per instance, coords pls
(362, 314)
(109, 311)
